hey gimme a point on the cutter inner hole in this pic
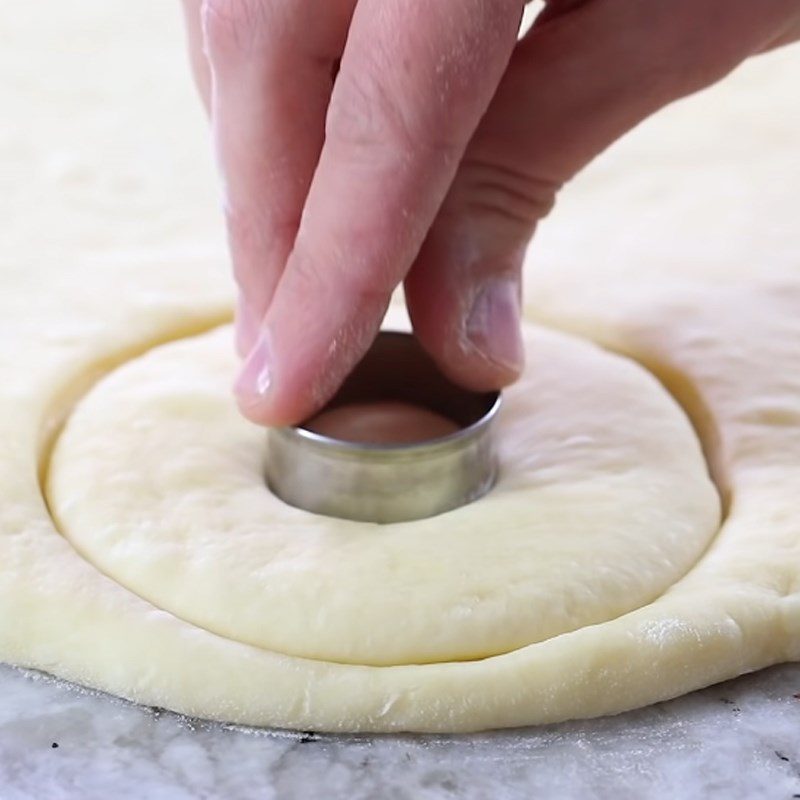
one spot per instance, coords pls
(398, 395)
(382, 422)
(399, 441)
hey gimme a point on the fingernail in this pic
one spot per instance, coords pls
(255, 378)
(493, 323)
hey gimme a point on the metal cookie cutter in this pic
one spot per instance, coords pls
(395, 482)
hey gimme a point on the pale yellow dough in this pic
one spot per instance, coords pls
(140, 552)
(602, 503)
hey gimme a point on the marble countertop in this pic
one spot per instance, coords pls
(737, 740)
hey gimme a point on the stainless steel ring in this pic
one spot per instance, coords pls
(390, 483)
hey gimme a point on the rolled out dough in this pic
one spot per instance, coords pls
(140, 553)
(603, 502)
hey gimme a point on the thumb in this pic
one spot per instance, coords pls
(577, 82)
(464, 291)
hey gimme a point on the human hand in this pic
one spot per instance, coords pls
(428, 160)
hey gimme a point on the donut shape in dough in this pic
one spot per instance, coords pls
(125, 266)
(602, 503)
(737, 609)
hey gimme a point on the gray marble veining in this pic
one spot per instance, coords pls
(736, 740)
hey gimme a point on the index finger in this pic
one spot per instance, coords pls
(415, 80)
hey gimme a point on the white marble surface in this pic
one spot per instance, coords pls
(736, 740)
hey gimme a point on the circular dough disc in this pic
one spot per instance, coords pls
(603, 502)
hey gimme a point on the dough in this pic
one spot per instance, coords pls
(141, 554)
(384, 422)
(602, 503)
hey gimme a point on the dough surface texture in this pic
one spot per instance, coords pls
(603, 502)
(141, 554)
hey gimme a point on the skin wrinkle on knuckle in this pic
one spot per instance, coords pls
(505, 197)
(502, 215)
(379, 110)
(368, 121)
(521, 196)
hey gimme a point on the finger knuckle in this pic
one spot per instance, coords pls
(508, 196)
(362, 116)
(370, 119)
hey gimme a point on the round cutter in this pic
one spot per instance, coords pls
(397, 482)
